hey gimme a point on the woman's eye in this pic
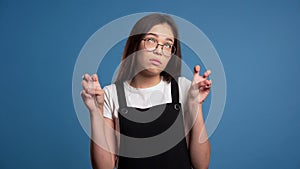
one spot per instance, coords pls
(152, 40)
(167, 45)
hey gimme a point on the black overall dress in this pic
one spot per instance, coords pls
(177, 157)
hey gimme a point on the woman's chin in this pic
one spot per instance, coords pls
(152, 71)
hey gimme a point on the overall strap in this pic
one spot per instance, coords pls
(121, 94)
(174, 90)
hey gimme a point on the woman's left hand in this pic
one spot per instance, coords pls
(200, 85)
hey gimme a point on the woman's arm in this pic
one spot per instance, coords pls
(199, 143)
(102, 136)
(102, 146)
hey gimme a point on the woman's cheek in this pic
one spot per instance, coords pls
(142, 59)
(165, 63)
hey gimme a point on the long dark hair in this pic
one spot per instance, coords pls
(173, 68)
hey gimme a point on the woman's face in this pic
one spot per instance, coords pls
(153, 60)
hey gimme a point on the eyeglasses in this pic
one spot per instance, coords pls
(151, 44)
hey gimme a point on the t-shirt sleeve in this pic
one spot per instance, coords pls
(184, 86)
(108, 107)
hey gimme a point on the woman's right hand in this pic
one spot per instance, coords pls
(92, 93)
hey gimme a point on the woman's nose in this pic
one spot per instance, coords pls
(158, 49)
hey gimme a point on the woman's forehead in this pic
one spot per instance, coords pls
(162, 31)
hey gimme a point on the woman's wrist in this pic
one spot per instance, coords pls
(96, 112)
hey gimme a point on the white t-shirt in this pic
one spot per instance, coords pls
(143, 97)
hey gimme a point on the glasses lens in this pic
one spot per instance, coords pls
(150, 44)
(169, 50)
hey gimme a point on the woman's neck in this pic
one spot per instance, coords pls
(140, 81)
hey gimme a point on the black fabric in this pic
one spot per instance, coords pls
(145, 123)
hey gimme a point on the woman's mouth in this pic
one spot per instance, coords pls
(155, 62)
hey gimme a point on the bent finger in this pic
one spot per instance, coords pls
(95, 79)
(85, 95)
(208, 84)
(85, 84)
(96, 91)
(201, 84)
(206, 74)
(86, 77)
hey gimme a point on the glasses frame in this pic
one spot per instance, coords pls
(173, 50)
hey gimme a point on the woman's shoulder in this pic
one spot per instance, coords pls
(110, 89)
(109, 86)
(184, 86)
(183, 81)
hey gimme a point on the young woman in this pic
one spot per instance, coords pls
(148, 85)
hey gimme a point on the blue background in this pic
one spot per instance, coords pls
(258, 43)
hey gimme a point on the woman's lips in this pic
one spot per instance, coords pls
(155, 62)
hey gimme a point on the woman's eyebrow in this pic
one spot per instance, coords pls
(153, 34)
